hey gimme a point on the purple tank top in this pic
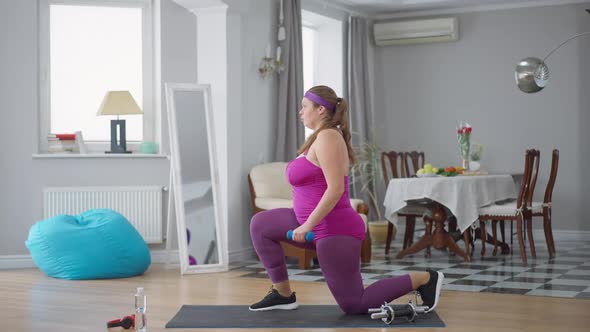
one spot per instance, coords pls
(309, 185)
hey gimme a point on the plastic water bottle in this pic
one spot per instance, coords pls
(140, 307)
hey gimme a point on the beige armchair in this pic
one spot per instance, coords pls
(269, 189)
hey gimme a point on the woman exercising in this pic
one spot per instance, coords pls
(321, 204)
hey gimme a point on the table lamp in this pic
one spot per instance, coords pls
(118, 103)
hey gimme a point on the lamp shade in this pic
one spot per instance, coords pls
(118, 103)
(531, 75)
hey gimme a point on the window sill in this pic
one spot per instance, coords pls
(99, 155)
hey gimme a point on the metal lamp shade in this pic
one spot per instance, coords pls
(531, 75)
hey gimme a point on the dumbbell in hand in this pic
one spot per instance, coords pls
(309, 236)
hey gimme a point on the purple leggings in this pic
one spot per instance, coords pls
(339, 258)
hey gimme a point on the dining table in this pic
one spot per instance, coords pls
(459, 196)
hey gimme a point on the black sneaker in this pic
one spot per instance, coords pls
(431, 291)
(275, 301)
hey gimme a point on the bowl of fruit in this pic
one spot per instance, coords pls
(450, 171)
(427, 171)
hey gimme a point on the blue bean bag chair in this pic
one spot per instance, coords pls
(97, 244)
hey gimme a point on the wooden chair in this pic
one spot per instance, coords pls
(395, 165)
(536, 159)
(417, 160)
(543, 209)
(269, 189)
(513, 211)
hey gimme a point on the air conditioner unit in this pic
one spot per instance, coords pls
(416, 31)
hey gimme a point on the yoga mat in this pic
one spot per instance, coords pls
(306, 316)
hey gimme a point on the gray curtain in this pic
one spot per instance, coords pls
(289, 130)
(359, 97)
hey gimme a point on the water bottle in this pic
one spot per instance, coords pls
(140, 306)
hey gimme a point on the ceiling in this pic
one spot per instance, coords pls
(375, 7)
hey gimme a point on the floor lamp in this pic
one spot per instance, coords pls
(532, 74)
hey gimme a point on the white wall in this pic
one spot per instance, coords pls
(421, 90)
(251, 104)
(22, 177)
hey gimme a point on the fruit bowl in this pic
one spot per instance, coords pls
(427, 175)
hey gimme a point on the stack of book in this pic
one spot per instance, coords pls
(64, 143)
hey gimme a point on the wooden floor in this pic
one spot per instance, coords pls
(30, 301)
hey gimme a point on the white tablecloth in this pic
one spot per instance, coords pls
(462, 195)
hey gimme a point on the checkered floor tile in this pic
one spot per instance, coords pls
(567, 275)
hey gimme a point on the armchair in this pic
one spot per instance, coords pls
(269, 189)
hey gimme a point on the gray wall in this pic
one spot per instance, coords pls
(421, 90)
(22, 177)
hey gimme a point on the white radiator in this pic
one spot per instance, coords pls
(141, 205)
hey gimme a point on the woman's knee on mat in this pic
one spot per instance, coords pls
(352, 307)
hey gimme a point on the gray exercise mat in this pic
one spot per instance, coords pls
(306, 316)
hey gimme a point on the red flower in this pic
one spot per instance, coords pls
(467, 130)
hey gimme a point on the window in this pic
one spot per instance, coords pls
(308, 36)
(308, 55)
(89, 48)
(323, 53)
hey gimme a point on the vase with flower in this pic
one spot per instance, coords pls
(464, 142)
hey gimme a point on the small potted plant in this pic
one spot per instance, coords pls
(366, 172)
(476, 151)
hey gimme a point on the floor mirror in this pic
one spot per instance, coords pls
(194, 183)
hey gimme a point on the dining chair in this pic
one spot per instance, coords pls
(513, 211)
(542, 209)
(417, 159)
(536, 155)
(395, 165)
(536, 159)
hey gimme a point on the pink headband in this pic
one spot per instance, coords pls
(319, 100)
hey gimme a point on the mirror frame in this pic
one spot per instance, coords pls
(176, 183)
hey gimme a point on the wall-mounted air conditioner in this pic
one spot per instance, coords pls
(416, 31)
